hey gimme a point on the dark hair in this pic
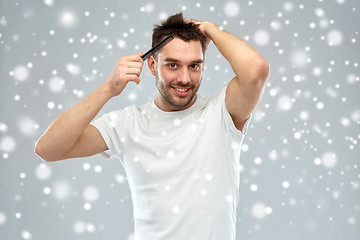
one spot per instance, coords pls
(178, 28)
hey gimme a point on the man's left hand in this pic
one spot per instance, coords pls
(202, 25)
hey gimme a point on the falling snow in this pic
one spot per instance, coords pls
(299, 164)
(43, 171)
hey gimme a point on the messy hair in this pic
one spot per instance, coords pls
(178, 28)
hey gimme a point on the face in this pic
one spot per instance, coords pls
(178, 69)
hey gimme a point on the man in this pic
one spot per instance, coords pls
(180, 151)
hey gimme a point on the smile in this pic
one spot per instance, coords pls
(181, 91)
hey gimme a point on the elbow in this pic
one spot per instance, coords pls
(41, 153)
(262, 69)
(38, 152)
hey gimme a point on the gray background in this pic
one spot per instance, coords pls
(300, 174)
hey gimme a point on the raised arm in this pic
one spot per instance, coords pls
(251, 70)
(70, 134)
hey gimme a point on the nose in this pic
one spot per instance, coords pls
(184, 76)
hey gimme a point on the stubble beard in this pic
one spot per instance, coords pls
(165, 91)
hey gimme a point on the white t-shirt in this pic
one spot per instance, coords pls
(182, 168)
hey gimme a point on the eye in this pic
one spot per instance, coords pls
(194, 66)
(172, 65)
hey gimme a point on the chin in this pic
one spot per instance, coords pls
(182, 102)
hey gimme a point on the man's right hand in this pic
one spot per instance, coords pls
(71, 135)
(127, 69)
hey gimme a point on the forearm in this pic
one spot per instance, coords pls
(68, 126)
(245, 61)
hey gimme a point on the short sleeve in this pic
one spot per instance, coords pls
(227, 117)
(106, 125)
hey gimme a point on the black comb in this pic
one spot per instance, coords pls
(157, 47)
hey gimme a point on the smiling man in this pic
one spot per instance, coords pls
(180, 151)
(178, 70)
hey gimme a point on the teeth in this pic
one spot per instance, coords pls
(181, 89)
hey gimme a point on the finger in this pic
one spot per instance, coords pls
(133, 78)
(187, 20)
(137, 81)
(134, 58)
(133, 65)
(136, 71)
(140, 54)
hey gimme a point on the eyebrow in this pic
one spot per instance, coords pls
(174, 60)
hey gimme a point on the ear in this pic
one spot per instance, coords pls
(151, 64)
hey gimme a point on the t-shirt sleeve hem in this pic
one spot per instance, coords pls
(107, 154)
(229, 120)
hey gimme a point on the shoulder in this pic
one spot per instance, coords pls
(119, 114)
(216, 99)
(132, 110)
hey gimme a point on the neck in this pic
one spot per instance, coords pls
(165, 106)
